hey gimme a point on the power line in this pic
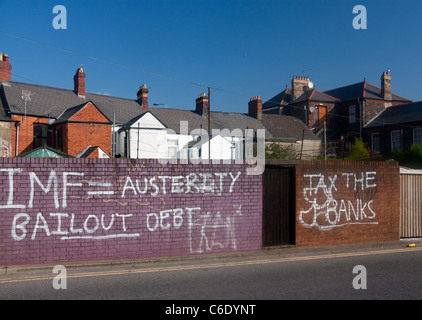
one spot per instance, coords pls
(331, 116)
(106, 60)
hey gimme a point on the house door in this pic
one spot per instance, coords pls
(278, 206)
(322, 113)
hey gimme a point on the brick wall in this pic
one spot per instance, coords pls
(347, 202)
(58, 210)
(81, 135)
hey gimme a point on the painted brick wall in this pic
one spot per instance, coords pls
(347, 202)
(58, 210)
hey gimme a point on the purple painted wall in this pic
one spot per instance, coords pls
(55, 210)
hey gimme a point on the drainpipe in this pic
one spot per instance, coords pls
(360, 118)
(366, 109)
(17, 124)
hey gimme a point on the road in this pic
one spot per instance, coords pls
(393, 273)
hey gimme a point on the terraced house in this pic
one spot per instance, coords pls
(83, 124)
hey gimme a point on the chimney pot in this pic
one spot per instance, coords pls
(5, 68)
(386, 86)
(202, 104)
(79, 82)
(143, 96)
(299, 86)
(255, 107)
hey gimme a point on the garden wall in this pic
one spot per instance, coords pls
(57, 210)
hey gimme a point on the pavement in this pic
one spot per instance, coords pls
(265, 253)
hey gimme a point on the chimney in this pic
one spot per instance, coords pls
(5, 68)
(143, 97)
(79, 82)
(255, 107)
(386, 86)
(299, 86)
(202, 104)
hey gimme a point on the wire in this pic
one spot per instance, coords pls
(330, 116)
(105, 60)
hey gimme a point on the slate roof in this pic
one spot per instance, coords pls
(350, 92)
(281, 99)
(286, 128)
(361, 90)
(316, 96)
(52, 102)
(61, 104)
(405, 113)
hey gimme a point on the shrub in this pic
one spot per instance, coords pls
(357, 151)
(412, 155)
(276, 151)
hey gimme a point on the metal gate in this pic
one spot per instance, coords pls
(410, 203)
(278, 221)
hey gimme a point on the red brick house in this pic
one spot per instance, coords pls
(345, 110)
(79, 127)
(68, 120)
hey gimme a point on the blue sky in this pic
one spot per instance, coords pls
(240, 48)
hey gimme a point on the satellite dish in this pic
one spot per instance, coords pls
(310, 85)
(312, 109)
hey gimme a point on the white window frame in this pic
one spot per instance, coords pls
(417, 136)
(396, 141)
(375, 142)
(172, 148)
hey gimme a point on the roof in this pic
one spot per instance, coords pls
(69, 113)
(62, 104)
(88, 151)
(349, 92)
(361, 90)
(52, 102)
(316, 96)
(172, 118)
(287, 128)
(281, 99)
(405, 113)
(45, 152)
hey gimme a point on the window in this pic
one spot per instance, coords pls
(375, 142)
(417, 136)
(59, 138)
(396, 140)
(352, 114)
(40, 134)
(172, 148)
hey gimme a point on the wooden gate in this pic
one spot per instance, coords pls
(410, 203)
(278, 206)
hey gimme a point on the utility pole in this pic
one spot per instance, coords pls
(209, 126)
(325, 141)
(113, 138)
